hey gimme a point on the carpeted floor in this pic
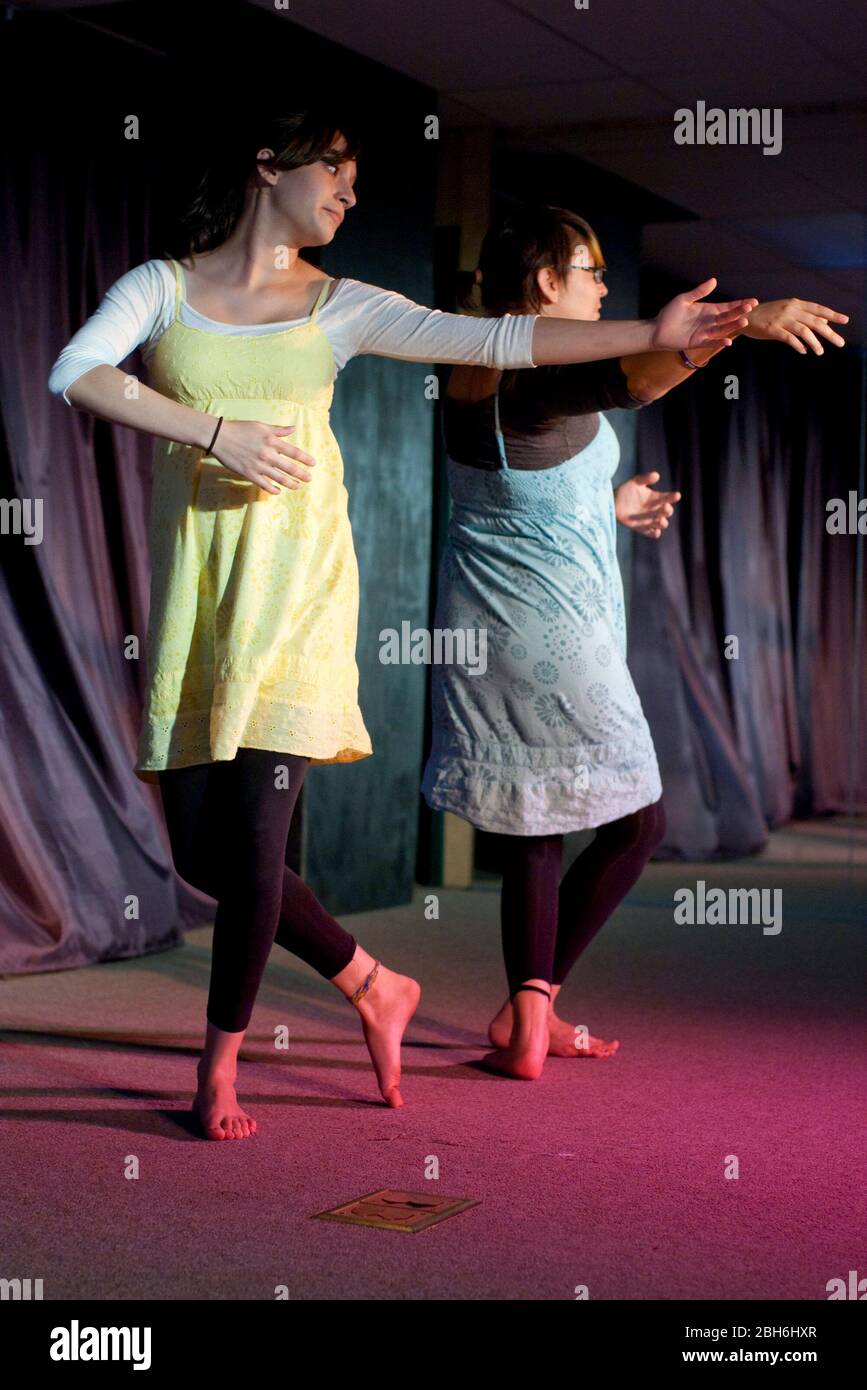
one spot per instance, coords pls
(609, 1174)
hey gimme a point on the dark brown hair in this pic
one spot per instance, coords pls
(522, 243)
(299, 138)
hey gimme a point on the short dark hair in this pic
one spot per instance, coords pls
(297, 138)
(522, 243)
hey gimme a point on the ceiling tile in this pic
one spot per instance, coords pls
(448, 45)
(729, 39)
(834, 26)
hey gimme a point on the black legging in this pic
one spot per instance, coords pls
(546, 923)
(228, 823)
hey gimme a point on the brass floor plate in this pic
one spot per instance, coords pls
(396, 1210)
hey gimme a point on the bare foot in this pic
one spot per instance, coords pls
(520, 1062)
(385, 1011)
(523, 1055)
(217, 1110)
(563, 1042)
(561, 1036)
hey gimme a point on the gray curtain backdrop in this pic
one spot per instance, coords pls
(746, 743)
(86, 870)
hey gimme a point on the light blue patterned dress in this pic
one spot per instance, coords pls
(551, 737)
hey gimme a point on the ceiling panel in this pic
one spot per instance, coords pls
(721, 39)
(450, 46)
(837, 27)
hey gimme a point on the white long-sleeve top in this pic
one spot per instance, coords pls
(357, 318)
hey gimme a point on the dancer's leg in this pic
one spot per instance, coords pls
(385, 1007)
(228, 822)
(195, 821)
(308, 931)
(596, 882)
(528, 917)
(202, 804)
(254, 806)
(528, 906)
(600, 878)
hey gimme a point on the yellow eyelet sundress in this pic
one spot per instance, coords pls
(254, 595)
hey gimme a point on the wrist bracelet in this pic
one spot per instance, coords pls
(688, 362)
(216, 432)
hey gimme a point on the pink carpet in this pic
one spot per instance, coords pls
(609, 1174)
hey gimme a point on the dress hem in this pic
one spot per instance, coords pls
(564, 824)
(150, 773)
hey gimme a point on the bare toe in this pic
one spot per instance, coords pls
(217, 1110)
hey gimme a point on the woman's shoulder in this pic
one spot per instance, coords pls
(148, 286)
(378, 299)
(142, 299)
(158, 268)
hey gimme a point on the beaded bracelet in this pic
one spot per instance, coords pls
(363, 988)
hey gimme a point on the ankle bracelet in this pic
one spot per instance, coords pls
(363, 988)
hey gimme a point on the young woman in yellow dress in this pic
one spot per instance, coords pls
(254, 593)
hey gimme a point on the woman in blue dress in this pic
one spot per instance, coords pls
(544, 733)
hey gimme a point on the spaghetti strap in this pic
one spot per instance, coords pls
(501, 443)
(323, 292)
(176, 268)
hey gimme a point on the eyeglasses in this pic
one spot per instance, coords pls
(597, 271)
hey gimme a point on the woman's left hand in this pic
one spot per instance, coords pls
(637, 506)
(791, 320)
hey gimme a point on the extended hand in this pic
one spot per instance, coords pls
(637, 506)
(685, 323)
(790, 320)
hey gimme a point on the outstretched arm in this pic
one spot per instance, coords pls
(387, 324)
(650, 375)
(683, 323)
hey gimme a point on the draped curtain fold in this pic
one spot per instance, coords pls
(743, 616)
(86, 871)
